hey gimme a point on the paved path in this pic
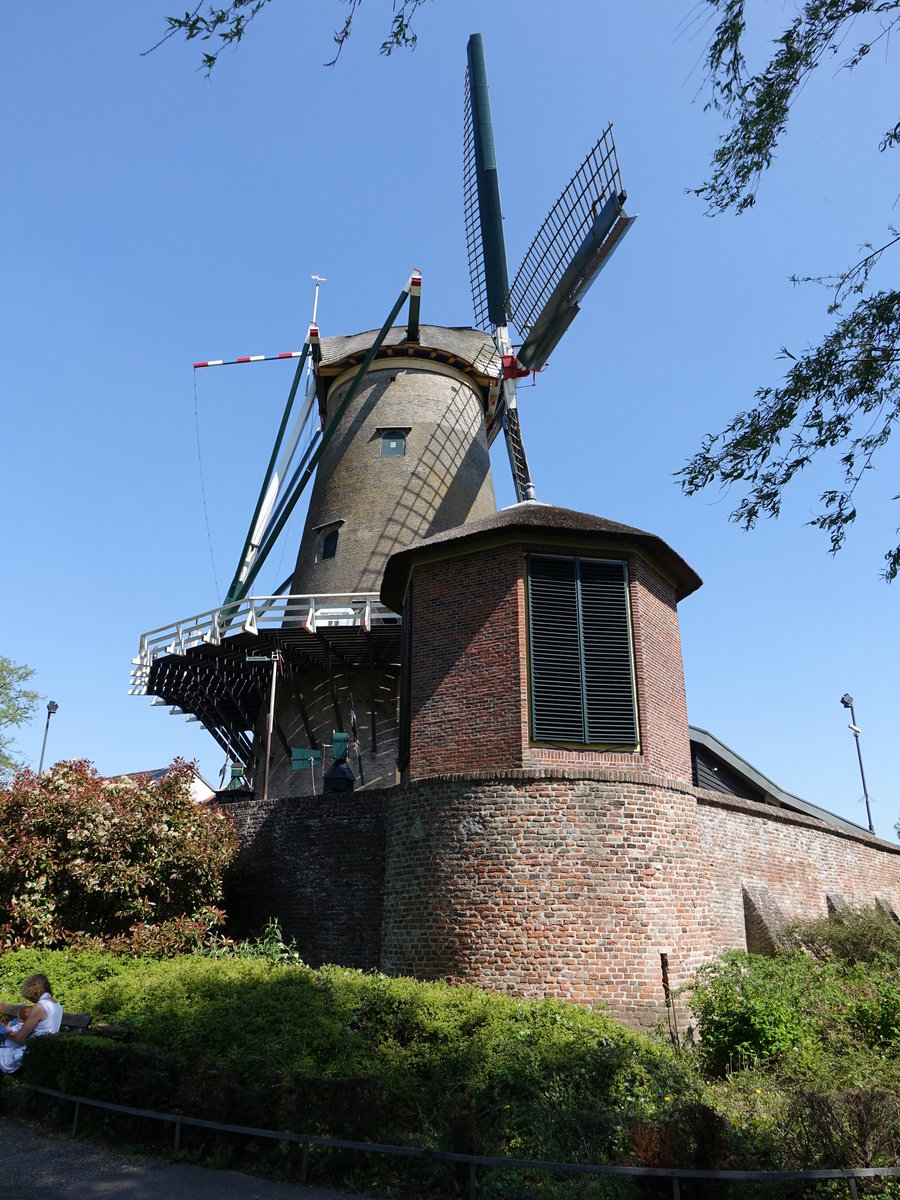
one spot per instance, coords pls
(36, 1162)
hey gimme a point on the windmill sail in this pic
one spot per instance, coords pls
(474, 247)
(484, 220)
(486, 247)
(574, 243)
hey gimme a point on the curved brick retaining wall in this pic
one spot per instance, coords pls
(566, 886)
(562, 883)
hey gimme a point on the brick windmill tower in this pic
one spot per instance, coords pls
(401, 423)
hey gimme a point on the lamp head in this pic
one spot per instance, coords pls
(847, 700)
(52, 707)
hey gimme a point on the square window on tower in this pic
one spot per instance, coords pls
(393, 442)
(329, 544)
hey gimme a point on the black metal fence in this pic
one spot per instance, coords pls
(675, 1175)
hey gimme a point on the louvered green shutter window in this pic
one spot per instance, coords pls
(582, 680)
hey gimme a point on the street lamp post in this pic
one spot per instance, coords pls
(52, 707)
(847, 701)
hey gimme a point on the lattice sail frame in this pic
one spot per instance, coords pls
(472, 216)
(565, 228)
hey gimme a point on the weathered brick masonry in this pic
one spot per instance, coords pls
(799, 859)
(573, 886)
(567, 884)
(469, 671)
(317, 865)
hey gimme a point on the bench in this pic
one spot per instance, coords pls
(76, 1021)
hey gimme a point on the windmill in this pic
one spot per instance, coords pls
(394, 432)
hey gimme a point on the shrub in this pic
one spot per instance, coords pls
(877, 1015)
(858, 1127)
(752, 1009)
(852, 936)
(123, 864)
(346, 1053)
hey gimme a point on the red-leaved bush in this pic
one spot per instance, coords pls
(127, 865)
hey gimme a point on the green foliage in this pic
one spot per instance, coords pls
(759, 104)
(246, 1034)
(857, 1127)
(824, 1009)
(270, 945)
(17, 704)
(842, 396)
(804, 1047)
(853, 935)
(750, 1009)
(877, 1016)
(127, 865)
(227, 26)
(343, 1053)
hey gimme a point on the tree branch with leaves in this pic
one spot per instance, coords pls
(226, 26)
(17, 705)
(842, 395)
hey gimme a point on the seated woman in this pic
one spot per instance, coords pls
(45, 1017)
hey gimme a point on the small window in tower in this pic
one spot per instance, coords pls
(393, 443)
(327, 539)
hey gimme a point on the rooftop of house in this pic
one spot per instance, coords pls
(200, 789)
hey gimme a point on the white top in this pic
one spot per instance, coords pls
(11, 1055)
(53, 1019)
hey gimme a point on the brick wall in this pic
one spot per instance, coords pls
(795, 857)
(570, 887)
(316, 863)
(573, 886)
(662, 704)
(562, 883)
(469, 678)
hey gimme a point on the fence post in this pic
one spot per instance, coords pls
(304, 1159)
(852, 1184)
(676, 1188)
(75, 1119)
(177, 1136)
(473, 1181)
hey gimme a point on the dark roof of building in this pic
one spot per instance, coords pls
(759, 783)
(526, 518)
(470, 345)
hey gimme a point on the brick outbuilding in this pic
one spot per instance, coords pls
(516, 621)
(549, 836)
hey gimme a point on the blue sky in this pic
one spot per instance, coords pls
(151, 218)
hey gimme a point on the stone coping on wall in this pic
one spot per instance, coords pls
(558, 774)
(514, 775)
(787, 816)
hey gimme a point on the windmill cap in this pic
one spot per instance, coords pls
(532, 519)
(471, 347)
